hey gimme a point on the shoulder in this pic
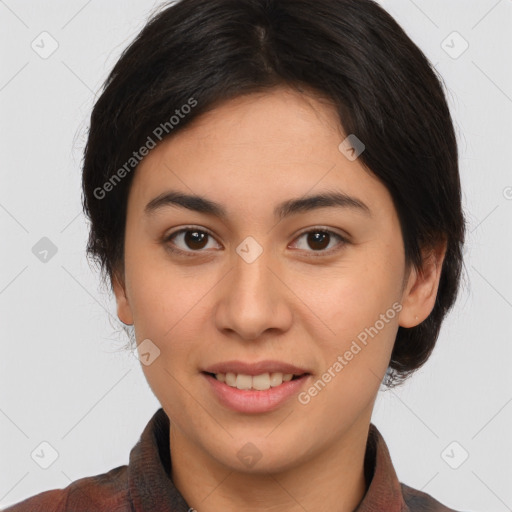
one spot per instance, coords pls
(105, 492)
(50, 501)
(418, 501)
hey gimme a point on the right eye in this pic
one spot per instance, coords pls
(192, 240)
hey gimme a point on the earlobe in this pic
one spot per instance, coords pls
(419, 296)
(124, 312)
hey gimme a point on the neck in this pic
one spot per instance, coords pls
(331, 480)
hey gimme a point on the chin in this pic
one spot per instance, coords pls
(260, 455)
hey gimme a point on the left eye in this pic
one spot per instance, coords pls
(319, 239)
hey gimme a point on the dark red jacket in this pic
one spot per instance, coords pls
(144, 485)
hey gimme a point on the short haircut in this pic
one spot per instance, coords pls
(352, 52)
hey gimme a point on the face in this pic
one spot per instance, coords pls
(258, 290)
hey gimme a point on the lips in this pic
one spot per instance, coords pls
(260, 376)
(252, 369)
(254, 396)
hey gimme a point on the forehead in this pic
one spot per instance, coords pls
(254, 150)
(281, 117)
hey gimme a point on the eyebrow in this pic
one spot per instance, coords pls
(285, 209)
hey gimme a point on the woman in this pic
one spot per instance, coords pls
(274, 197)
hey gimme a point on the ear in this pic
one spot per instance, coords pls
(124, 312)
(420, 292)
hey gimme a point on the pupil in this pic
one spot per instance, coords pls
(318, 237)
(191, 239)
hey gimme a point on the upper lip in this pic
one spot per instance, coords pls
(241, 367)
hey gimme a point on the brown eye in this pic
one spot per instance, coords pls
(320, 241)
(195, 239)
(188, 241)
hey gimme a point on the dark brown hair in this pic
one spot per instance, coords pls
(349, 51)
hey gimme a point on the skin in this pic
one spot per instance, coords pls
(249, 154)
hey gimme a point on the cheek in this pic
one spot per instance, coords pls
(166, 314)
(169, 308)
(357, 293)
(359, 308)
(355, 351)
(157, 299)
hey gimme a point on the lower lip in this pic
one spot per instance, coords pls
(253, 401)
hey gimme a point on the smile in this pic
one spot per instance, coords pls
(261, 382)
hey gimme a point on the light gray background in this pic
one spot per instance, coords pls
(65, 380)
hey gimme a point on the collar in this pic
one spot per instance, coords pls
(151, 487)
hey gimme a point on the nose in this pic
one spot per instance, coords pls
(253, 299)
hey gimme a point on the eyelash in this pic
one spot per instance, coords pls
(320, 253)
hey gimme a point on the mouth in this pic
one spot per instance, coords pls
(259, 376)
(259, 382)
(255, 388)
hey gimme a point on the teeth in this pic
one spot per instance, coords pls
(231, 379)
(276, 379)
(259, 382)
(243, 381)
